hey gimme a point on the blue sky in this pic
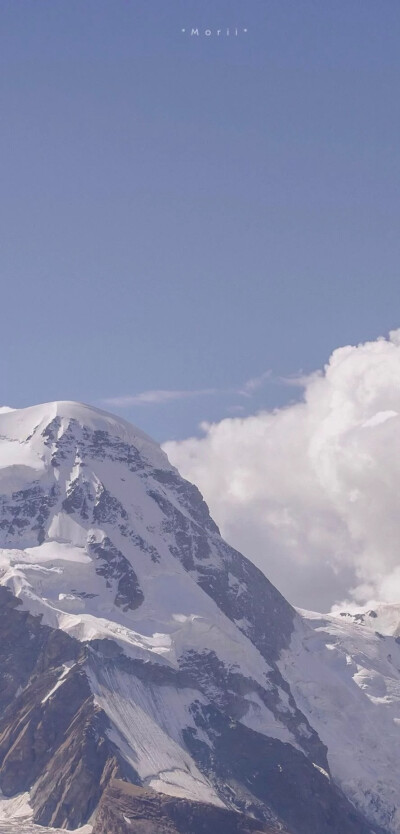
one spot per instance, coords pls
(186, 214)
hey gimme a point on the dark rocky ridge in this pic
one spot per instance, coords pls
(115, 568)
(52, 740)
(125, 808)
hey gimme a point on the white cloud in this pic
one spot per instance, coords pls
(155, 397)
(255, 383)
(310, 492)
(160, 397)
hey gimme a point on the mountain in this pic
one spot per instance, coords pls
(152, 678)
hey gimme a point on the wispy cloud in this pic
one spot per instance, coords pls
(296, 380)
(163, 396)
(255, 383)
(236, 409)
(300, 380)
(157, 397)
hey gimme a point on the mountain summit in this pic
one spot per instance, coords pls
(146, 664)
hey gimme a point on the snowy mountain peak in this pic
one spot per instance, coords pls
(93, 495)
(22, 424)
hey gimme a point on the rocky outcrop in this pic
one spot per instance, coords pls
(28, 650)
(125, 809)
(70, 787)
(53, 737)
(117, 572)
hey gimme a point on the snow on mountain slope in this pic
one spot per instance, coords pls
(346, 679)
(101, 548)
(85, 473)
(172, 643)
(149, 722)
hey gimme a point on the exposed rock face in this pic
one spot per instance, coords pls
(143, 648)
(69, 789)
(26, 647)
(52, 734)
(115, 568)
(125, 808)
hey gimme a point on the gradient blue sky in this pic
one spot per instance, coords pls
(188, 213)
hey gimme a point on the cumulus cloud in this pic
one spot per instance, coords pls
(310, 492)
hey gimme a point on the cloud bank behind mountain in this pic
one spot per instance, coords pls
(311, 492)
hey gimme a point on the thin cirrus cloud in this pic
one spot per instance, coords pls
(157, 397)
(163, 396)
(255, 384)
